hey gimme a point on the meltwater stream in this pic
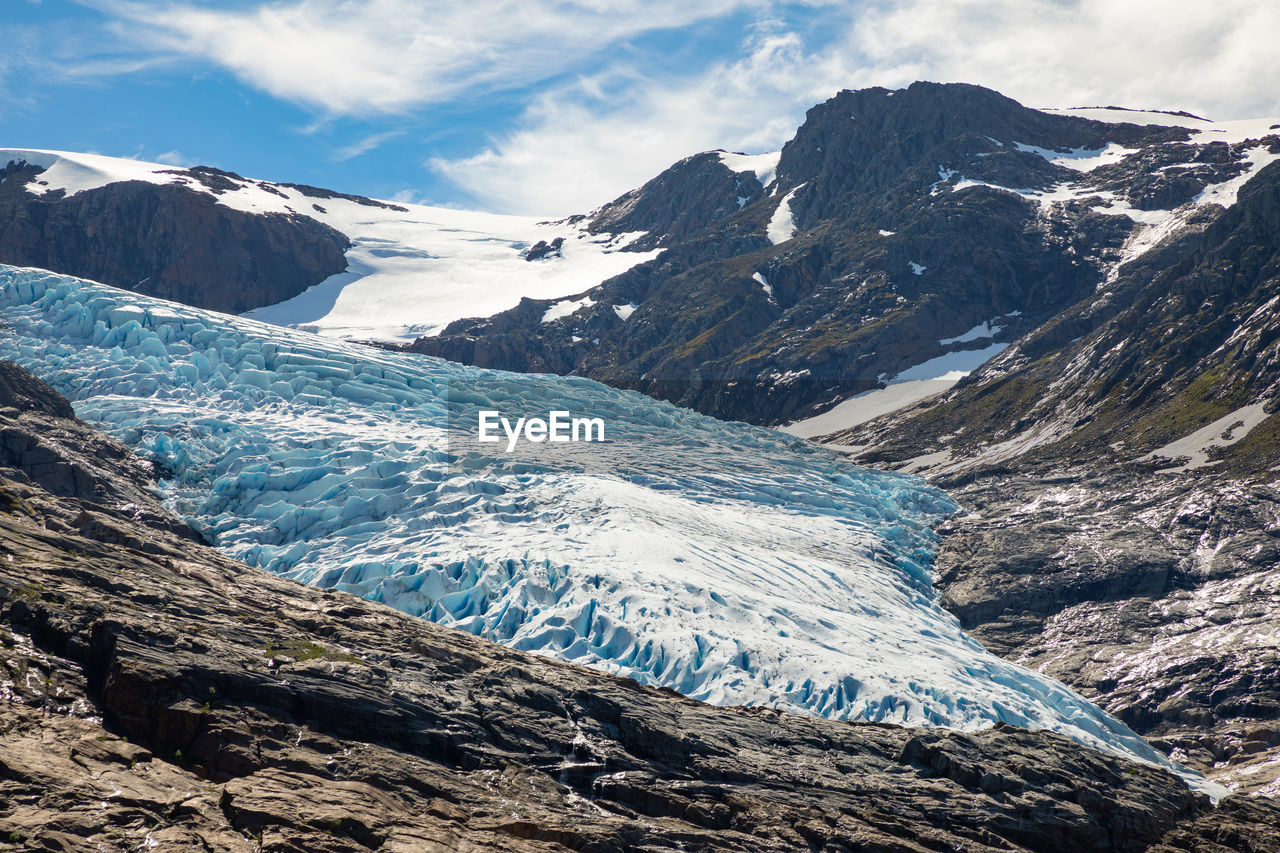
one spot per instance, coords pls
(731, 563)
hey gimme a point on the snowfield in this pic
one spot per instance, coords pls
(728, 562)
(412, 269)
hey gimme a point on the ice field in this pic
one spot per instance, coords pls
(732, 563)
(411, 269)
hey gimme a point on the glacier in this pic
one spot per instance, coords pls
(732, 563)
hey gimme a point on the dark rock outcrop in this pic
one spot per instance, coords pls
(43, 446)
(167, 240)
(542, 250)
(687, 198)
(157, 694)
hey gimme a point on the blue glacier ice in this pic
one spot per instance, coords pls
(732, 563)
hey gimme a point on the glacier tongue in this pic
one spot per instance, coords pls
(725, 561)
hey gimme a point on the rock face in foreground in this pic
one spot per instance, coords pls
(156, 693)
(167, 240)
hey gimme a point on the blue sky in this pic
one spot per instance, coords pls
(553, 107)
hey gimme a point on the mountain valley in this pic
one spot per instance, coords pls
(1034, 354)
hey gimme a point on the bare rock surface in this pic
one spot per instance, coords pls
(1158, 598)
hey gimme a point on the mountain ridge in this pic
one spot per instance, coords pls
(923, 216)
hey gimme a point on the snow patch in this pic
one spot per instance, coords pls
(76, 173)
(951, 365)
(908, 387)
(1122, 207)
(764, 166)
(624, 311)
(868, 406)
(1119, 115)
(944, 175)
(782, 227)
(1224, 432)
(764, 284)
(566, 307)
(984, 329)
(1217, 131)
(1081, 159)
(1225, 193)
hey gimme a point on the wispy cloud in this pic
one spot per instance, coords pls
(172, 158)
(365, 144)
(367, 57)
(74, 50)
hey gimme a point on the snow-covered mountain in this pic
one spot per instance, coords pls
(386, 270)
(725, 561)
(900, 238)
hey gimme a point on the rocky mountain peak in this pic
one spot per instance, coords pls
(686, 198)
(900, 235)
(868, 142)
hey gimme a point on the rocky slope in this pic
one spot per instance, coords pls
(1180, 339)
(157, 694)
(1158, 599)
(167, 240)
(894, 225)
(1121, 464)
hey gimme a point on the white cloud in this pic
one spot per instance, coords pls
(608, 108)
(365, 144)
(584, 144)
(171, 158)
(366, 57)
(580, 145)
(1216, 58)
